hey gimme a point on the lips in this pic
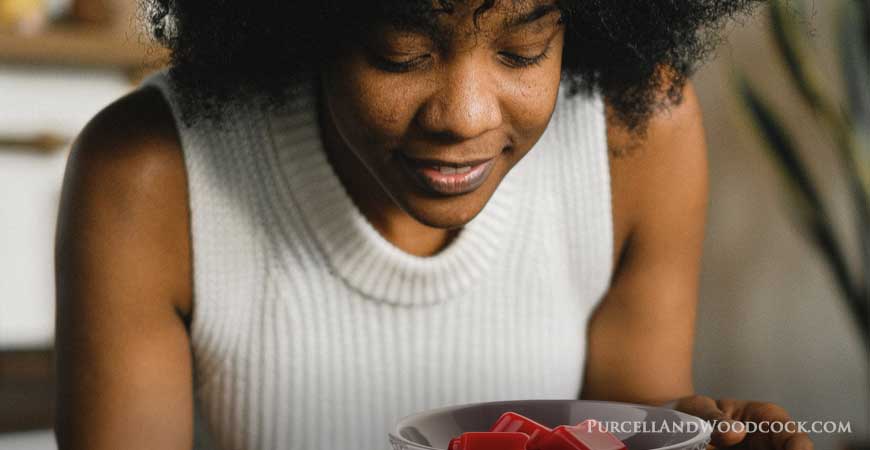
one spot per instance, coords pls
(448, 177)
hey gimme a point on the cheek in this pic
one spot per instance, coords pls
(533, 99)
(369, 108)
(532, 110)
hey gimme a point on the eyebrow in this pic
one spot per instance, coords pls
(539, 12)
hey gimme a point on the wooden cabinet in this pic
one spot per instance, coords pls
(27, 386)
(102, 33)
(81, 44)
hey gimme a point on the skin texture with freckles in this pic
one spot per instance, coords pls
(463, 103)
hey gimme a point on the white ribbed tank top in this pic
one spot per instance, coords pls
(310, 331)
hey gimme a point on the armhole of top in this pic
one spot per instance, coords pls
(601, 114)
(161, 83)
(582, 123)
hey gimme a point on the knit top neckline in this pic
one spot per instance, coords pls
(354, 250)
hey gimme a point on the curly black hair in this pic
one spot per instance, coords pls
(638, 53)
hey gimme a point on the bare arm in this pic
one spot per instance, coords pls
(123, 285)
(641, 336)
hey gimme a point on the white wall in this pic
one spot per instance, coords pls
(30, 440)
(37, 100)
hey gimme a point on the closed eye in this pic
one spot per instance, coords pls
(399, 65)
(521, 61)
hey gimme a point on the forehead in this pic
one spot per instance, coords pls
(446, 18)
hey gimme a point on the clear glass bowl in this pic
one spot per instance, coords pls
(640, 427)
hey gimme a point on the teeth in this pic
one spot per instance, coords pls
(448, 170)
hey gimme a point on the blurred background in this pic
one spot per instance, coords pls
(784, 293)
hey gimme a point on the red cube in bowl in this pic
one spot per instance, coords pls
(586, 435)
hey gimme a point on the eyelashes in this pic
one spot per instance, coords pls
(389, 65)
(519, 61)
(511, 60)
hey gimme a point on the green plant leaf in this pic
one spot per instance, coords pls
(781, 148)
(807, 201)
(854, 53)
(865, 13)
(854, 42)
(789, 41)
(855, 60)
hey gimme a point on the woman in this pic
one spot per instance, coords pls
(331, 215)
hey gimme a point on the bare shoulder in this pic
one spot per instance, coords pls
(662, 172)
(126, 183)
(663, 125)
(133, 138)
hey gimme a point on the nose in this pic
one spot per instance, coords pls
(465, 106)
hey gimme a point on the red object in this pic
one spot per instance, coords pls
(514, 432)
(484, 440)
(511, 421)
(585, 435)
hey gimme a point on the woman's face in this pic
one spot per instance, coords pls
(439, 114)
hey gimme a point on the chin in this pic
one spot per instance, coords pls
(446, 212)
(446, 222)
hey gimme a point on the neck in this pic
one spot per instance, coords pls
(391, 222)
